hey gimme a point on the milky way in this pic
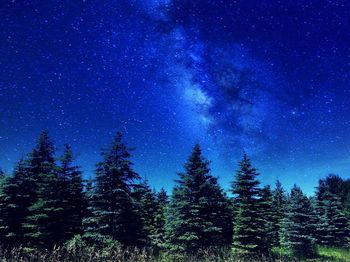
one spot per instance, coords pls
(266, 78)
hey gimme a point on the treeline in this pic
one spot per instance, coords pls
(46, 203)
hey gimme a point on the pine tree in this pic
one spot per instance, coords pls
(3, 209)
(18, 194)
(279, 206)
(199, 214)
(334, 184)
(146, 202)
(89, 223)
(319, 210)
(113, 211)
(267, 217)
(72, 196)
(248, 233)
(158, 232)
(333, 223)
(42, 224)
(296, 231)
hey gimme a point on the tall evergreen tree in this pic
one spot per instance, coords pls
(146, 202)
(279, 206)
(3, 209)
(18, 194)
(72, 196)
(319, 210)
(158, 232)
(333, 223)
(268, 215)
(199, 214)
(296, 231)
(89, 223)
(42, 223)
(113, 212)
(248, 233)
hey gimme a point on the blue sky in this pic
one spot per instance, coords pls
(267, 78)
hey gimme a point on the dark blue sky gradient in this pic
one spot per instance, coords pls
(270, 78)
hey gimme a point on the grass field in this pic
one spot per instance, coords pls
(135, 255)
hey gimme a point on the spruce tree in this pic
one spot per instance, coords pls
(335, 185)
(158, 232)
(198, 214)
(18, 194)
(267, 220)
(248, 232)
(296, 231)
(319, 210)
(279, 207)
(146, 201)
(3, 209)
(114, 215)
(72, 196)
(333, 223)
(42, 223)
(90, 222)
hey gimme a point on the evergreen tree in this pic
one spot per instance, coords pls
(267, 219)
(279, 206)
(248, 233)
(146, 201)
(346, 204)
(296, 231)
(319, 210)
(198, 214)
(72, 196)
(18, 194)
(314, 224)
(42, 223)
(3, 209)
(333, 223)
(334, 185)
(90, 221)
(113, 211)
(158, 232)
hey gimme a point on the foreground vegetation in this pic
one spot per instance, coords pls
(46, 204)
(118, 254)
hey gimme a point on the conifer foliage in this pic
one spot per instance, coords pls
(72, 196)
(46, 202)
(198, 214)
(158, 232)
(248, 230)
(279, 208)
(18, 194)
(42, 223)
(297, 234)
(113, 212)
(267, 220)
(333, 225)
(146, 200)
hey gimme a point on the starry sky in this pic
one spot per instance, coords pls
(270, 78)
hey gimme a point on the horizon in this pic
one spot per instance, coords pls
(226, 184)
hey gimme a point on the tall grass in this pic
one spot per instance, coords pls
(117, 254)
(334, 254)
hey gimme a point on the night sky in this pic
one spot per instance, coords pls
(270, 78)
